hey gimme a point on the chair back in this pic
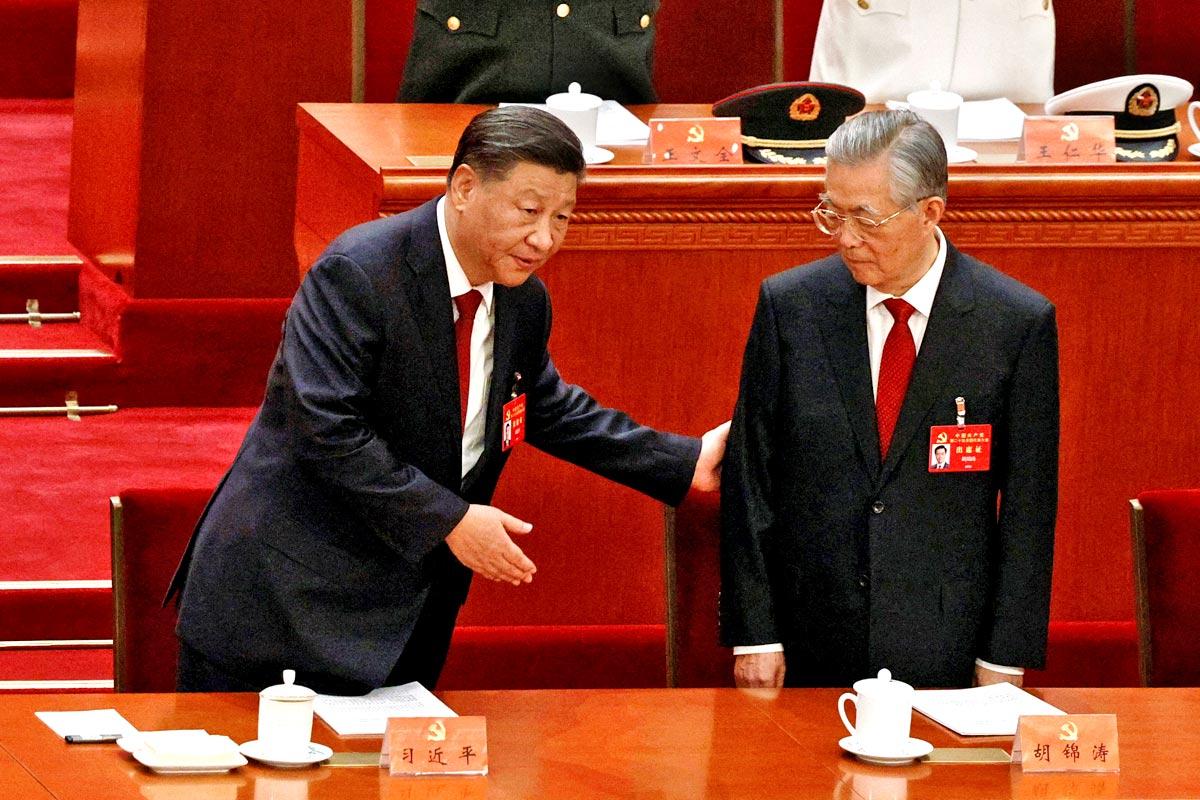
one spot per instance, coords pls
(150, 530)
(1165, 526)
(693, 566)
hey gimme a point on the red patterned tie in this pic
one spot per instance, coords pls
(467, 305)
(899, 353)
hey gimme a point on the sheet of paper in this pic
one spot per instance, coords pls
(99, 722)
(368, 715)
(996, 120)
(615, 124)
(981, 711)
(990, 121)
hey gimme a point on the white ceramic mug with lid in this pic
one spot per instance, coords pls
(285, 716)
(883, 715)
(579, 110)
(940, 109)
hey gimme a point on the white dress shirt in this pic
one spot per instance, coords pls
(481, 346)
(879, 323)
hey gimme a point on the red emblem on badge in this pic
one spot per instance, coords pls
(805, 108)
(1143, 103)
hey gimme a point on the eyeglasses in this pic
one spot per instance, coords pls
(831, 222)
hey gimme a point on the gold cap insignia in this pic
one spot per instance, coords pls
(1144, 103)
(805, 108)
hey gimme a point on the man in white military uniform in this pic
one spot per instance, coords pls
(978, 48)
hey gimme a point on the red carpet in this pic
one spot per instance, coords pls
(35, 161)
(58, 476)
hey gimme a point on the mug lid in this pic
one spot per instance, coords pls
(574, 99)
(883, 682)
(288, 691)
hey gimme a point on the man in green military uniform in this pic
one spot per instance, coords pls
(525, 50)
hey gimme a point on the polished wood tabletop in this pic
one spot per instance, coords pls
(654, 743)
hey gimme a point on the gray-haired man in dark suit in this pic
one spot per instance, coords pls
(843, 550)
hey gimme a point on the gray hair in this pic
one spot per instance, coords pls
(916, 154)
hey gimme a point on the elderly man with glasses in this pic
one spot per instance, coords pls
(842, 550)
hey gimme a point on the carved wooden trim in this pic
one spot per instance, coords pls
(769, 217)
(802, 235)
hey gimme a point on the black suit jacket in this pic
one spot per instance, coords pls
(856, 564)
(322, 542)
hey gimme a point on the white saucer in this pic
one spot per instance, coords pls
(961, 155)
(1194, 149)
(909, 752)
(597, 155)
(312, 754)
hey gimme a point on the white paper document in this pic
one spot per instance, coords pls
(368, 715)
(996, 120)
(981, 711)
(100, 722)
(617, 125)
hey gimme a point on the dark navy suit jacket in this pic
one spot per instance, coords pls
(322, 542)
(854, 563)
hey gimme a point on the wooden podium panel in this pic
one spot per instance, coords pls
(655, 289)
(184, 150)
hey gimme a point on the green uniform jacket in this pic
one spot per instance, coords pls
(488, 51)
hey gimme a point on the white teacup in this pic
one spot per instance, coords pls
(579, 110)
(940, 109)
(884, 713)
(1193, 107)
(285, 716)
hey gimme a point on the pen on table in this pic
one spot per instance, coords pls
(98, 738)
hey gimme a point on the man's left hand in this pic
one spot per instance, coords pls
(707, 477)
(986, 677)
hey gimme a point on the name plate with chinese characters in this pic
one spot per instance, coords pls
(1074, 743)
(704, 140)
(1069, 140)
(436, 746)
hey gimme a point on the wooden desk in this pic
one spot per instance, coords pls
(661, 743)
(15, 780)
(655, 289)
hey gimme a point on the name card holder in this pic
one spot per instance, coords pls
(1071, 743)
(1069, 140)
(435, 746)
(698, 140)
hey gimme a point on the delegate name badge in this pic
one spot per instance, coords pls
(513, 432)
(960, 448)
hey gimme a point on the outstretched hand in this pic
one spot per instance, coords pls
(482, 542)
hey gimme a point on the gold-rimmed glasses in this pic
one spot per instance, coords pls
(831, 222)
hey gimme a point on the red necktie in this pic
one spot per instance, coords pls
(467, 305)
(899, 353)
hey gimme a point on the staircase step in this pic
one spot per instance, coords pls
(53, 282)
(38, 366)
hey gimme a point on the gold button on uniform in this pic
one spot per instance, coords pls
(863, 4)
(454, 23)
(563, 10)
(644, 21)
(1045, 5)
